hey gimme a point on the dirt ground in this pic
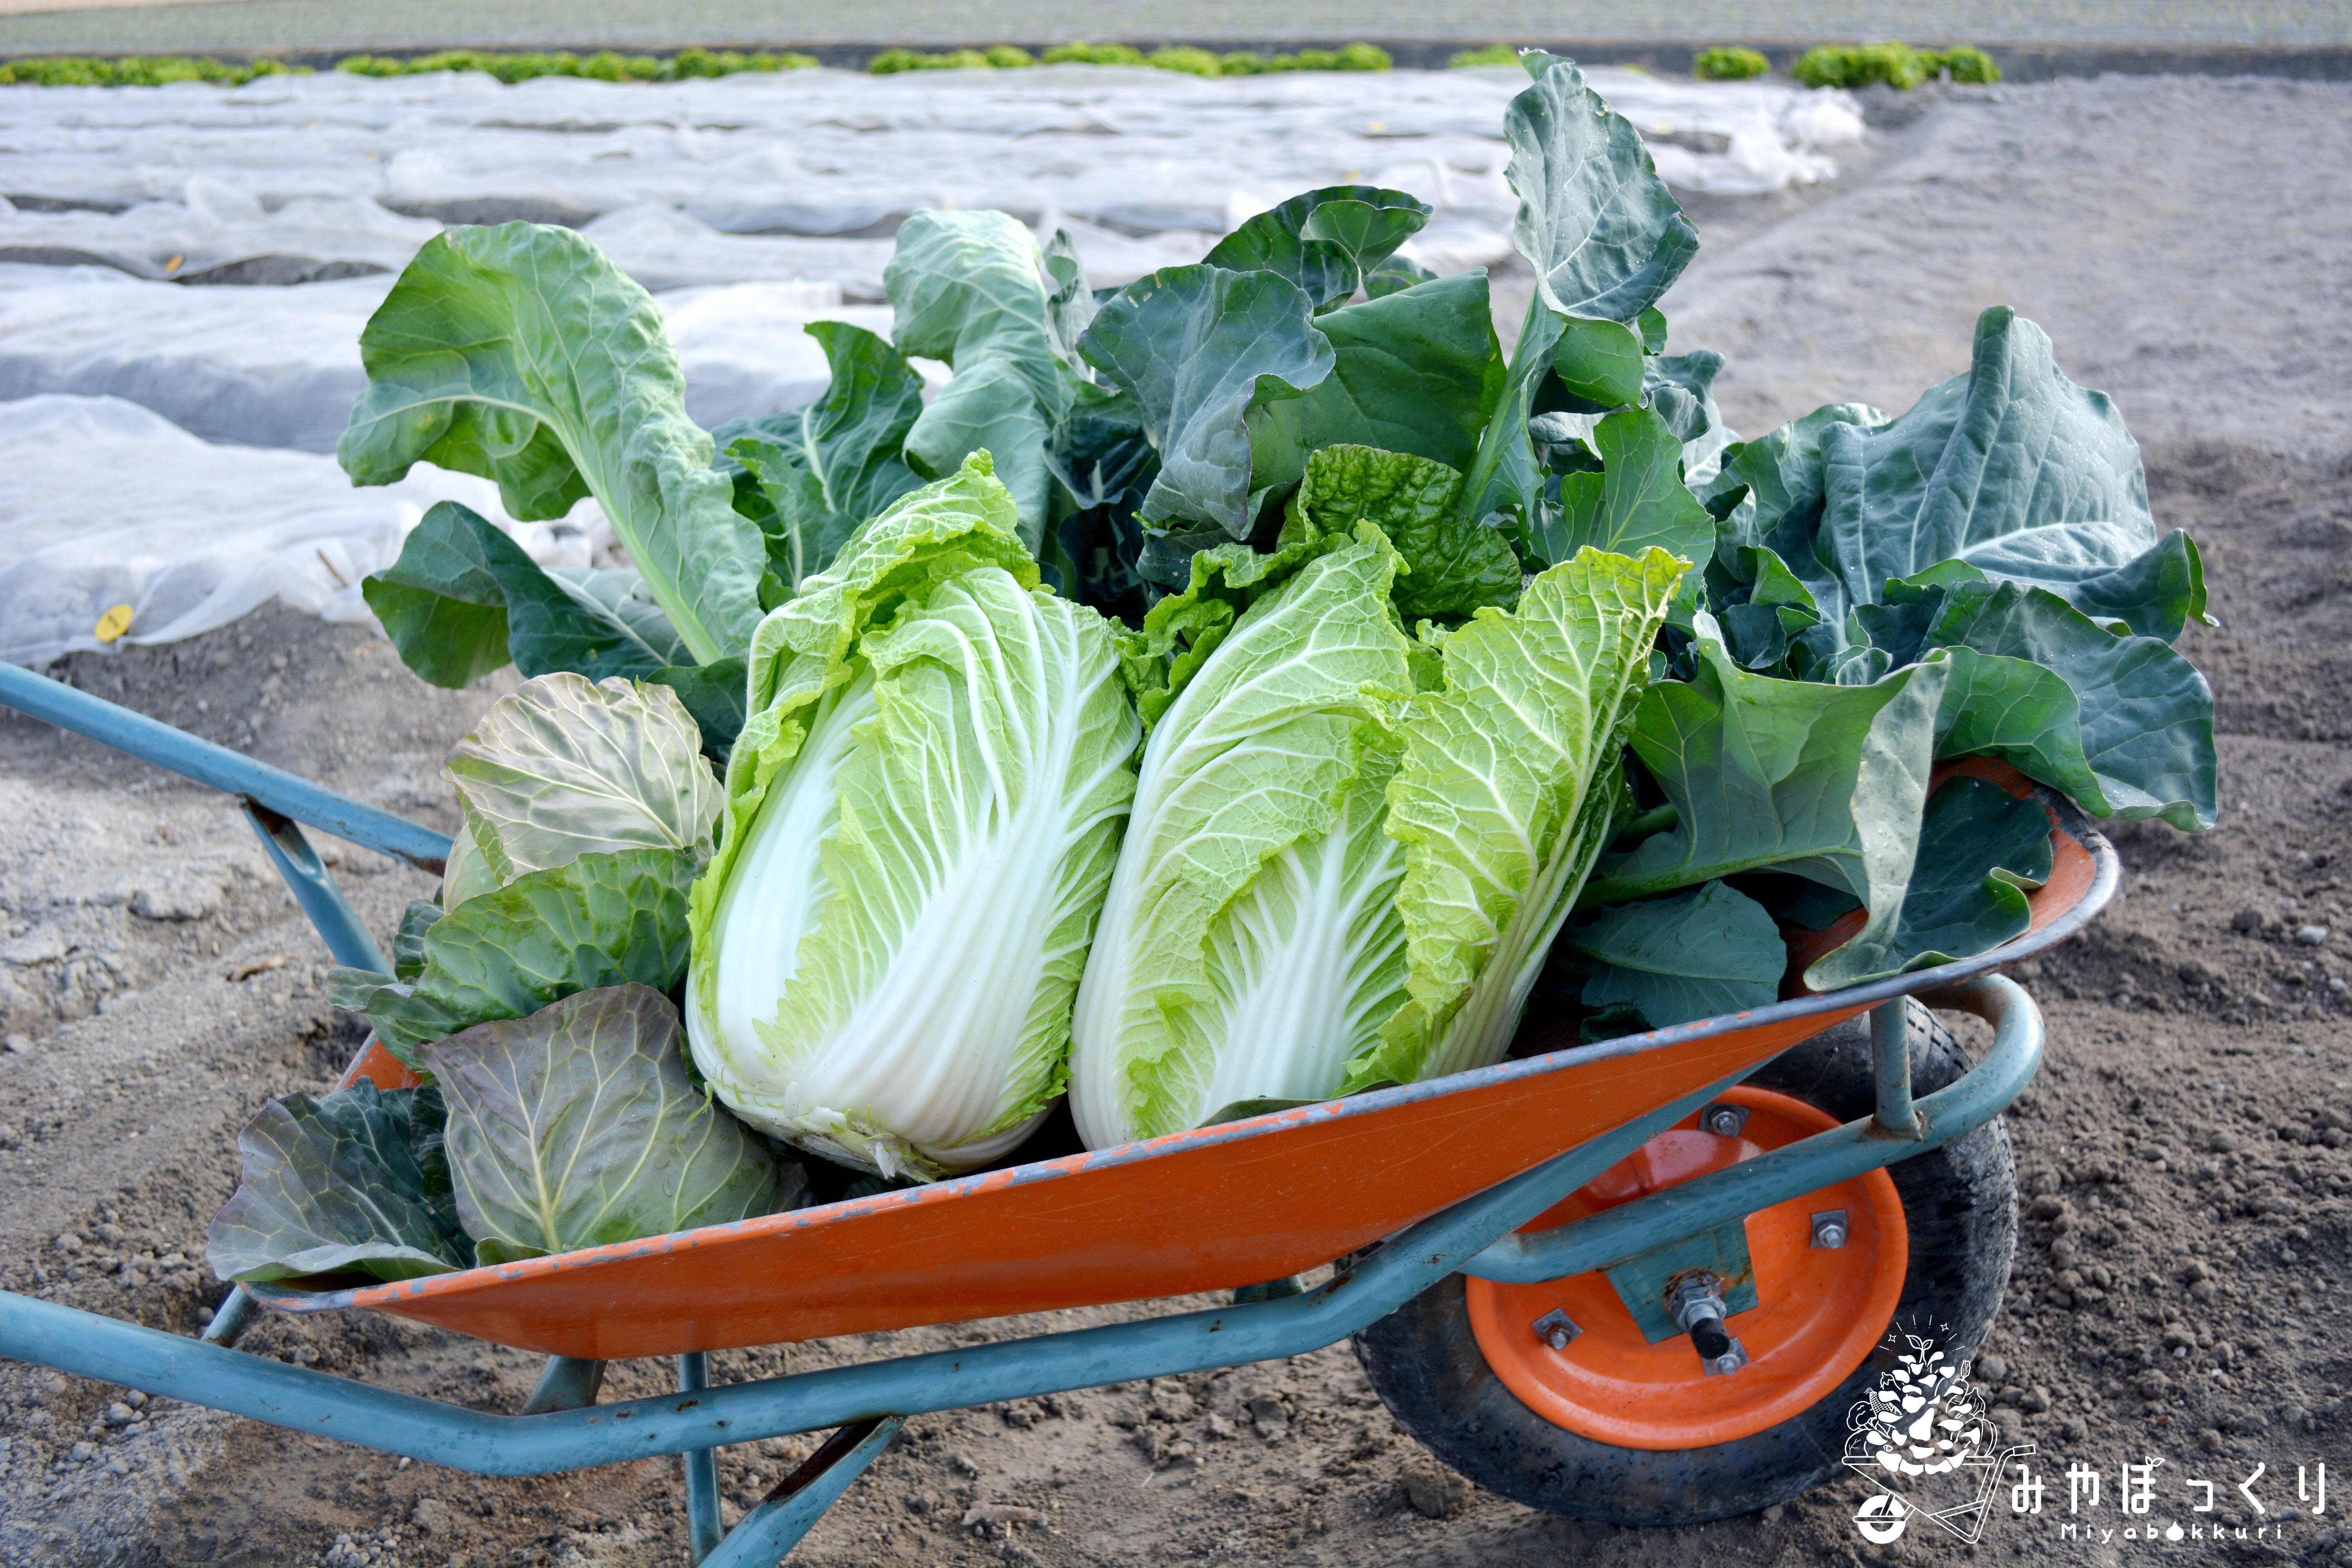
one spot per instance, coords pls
(2184, 1156)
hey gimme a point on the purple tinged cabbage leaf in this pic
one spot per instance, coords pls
(579, 1126)
(354, 1180)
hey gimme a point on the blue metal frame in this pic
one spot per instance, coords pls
(563, 1428)
(231, 773)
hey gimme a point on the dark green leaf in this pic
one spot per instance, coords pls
(966, 288)
(1069, 303)
(408, 942)
(595, 623)
(579, 1126)
(592, 623)
(1504, 474)
(826, 468)
(1323, 241)
(440, 603)
(1599, 365)
(1194, 346)
(1103, 465)
(1822, 782)
(713, 693)
(1781, 471)
(1638, 500)
(2015, 471)
(1416, 372)
(1685, 956)
(989, 407)
(2123, 724)
(337, 1184)
(1601, 228)
(1980, 849)
(1395, 275)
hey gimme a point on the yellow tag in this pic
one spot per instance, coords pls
(172, 264)
(113, 624)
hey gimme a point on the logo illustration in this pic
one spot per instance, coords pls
(1924, 1437)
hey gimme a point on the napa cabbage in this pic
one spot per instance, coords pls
(922, 813)
(1333, 880)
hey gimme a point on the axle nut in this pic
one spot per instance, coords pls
(1723, 1119)
(1830, 1228)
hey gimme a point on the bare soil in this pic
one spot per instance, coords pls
(2186, 1155)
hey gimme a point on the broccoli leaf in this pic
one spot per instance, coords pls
(408, 941)
(1195, 346)
(1638, 501)
(2121, 724)
(463, 599)
(713, 694)
(1606, 240)
(2016, 472)
(1603, 233)
(522, 354)
(1825, 782)
(1599, 365)
(965, 286)
(1416, 372)
(579, 1126)
(441, 601)
(1980, 850)
(1687, 955)
(1324, 241)
(825, 468)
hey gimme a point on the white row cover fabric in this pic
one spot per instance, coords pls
(108, 503)
(808, 167)
(217, 234)
(281, 367)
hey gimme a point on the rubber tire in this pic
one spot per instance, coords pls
(1960, 1203)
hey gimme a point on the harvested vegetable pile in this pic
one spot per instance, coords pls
(1250, 686)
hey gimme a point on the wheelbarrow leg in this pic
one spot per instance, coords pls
(771, 1530)
(313, 886)
(229, 1321)
(567, 1383)
(702, 1527)
(1890, 1050)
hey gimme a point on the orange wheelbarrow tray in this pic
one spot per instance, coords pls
(1401, 1186)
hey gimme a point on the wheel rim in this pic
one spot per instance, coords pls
(1821, 1310)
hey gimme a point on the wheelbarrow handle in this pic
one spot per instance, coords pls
(273, 789)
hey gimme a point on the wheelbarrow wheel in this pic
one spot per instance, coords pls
(1462, 1370)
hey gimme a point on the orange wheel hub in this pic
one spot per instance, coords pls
(1821, 1308)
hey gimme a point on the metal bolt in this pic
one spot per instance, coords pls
(1830, 1228)
(1557, 1329)
(1729, 1362)
(1723, 1119)
(1696, 1299)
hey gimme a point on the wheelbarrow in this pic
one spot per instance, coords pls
(1640, 1281)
